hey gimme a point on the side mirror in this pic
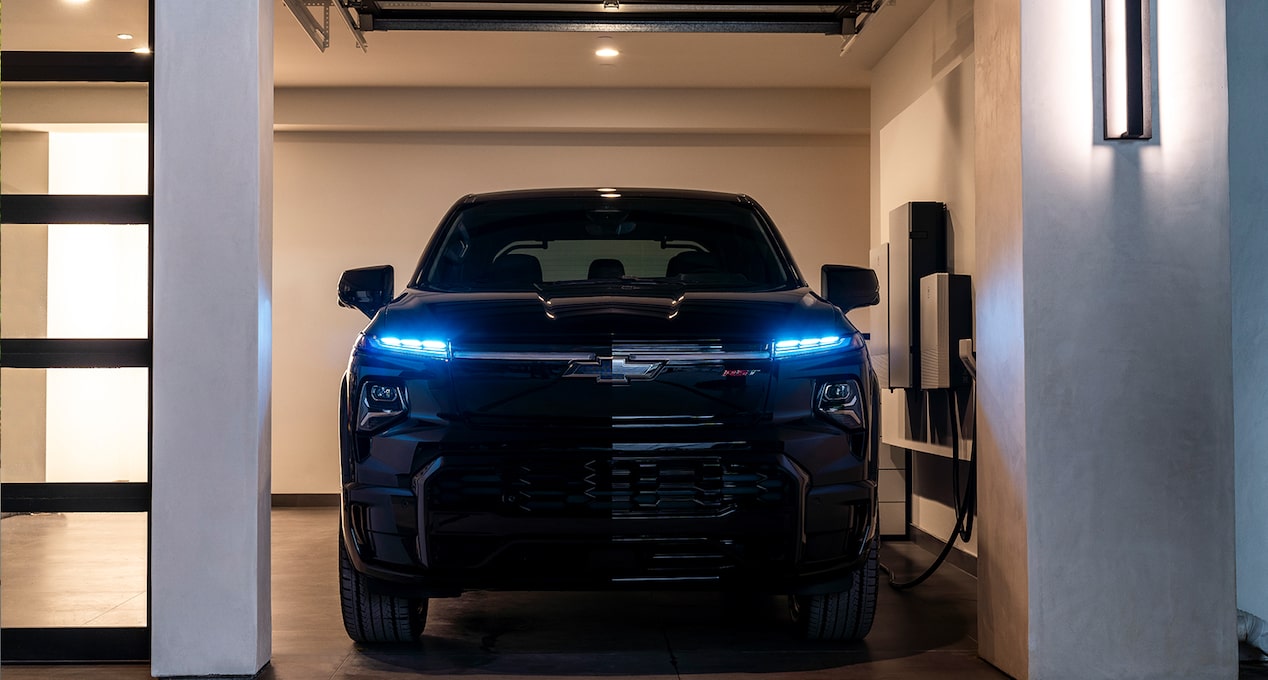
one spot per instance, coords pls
(367, 289)
(850, 287)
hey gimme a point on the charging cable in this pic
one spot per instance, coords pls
(966, 505)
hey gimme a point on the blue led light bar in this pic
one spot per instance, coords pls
(436, 349)
(803, 346)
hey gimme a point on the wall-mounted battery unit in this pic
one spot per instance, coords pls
(917, 248)
(946, 311)
(879, 326)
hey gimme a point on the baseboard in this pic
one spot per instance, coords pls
(934, 545)
(305, 500)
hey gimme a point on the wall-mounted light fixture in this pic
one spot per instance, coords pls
(1127, 69)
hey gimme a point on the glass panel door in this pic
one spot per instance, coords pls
(75, 263)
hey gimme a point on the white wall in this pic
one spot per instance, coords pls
(1248, 167)
(922, 149)
(347, 197)
(570, 110)
(347, 200)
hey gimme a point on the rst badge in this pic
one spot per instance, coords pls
(616, 370)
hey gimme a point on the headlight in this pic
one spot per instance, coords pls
(841, 402)
(425, 347)
(792, 347)
(380, 404)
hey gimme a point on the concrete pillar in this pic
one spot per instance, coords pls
(1111, 517)
(1248, 219)
(213, 118)
(1000, 309)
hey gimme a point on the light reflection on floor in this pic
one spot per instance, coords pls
(73, 569)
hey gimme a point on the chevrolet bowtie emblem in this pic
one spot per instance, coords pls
(614, 370)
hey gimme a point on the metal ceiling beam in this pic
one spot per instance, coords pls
(612, 16)
(319, 31)
(766, 6)
(809, 25)
(352, 25)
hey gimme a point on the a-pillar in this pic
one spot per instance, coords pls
(213, 125)
(1105, 376)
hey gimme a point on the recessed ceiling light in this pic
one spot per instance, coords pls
(76, 2)
(605, 190)
(142, 50)
(606, 48)
(124, 36)
(610, 195)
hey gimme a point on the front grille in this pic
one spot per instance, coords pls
(622, 486)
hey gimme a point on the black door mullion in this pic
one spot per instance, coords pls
(75, 209)
(76, 645)
(75, 353)
(81, 67)
(75, 497)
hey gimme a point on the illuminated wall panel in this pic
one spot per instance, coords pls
(98, 283)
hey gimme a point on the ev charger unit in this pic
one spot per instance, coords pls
(946, 311)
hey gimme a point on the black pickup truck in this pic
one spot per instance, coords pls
(601, 389)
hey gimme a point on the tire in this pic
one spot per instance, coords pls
(840, 616)
(373, 618)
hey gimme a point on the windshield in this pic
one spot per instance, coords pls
(534, 243)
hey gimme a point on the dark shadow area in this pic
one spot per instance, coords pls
(1253, 664)
(675, 634)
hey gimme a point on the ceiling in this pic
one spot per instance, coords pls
(496, 59)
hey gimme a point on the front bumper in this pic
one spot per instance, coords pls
(603, 518)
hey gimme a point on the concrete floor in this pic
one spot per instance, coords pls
(90, 570)
(72, 570)
(923, 633)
